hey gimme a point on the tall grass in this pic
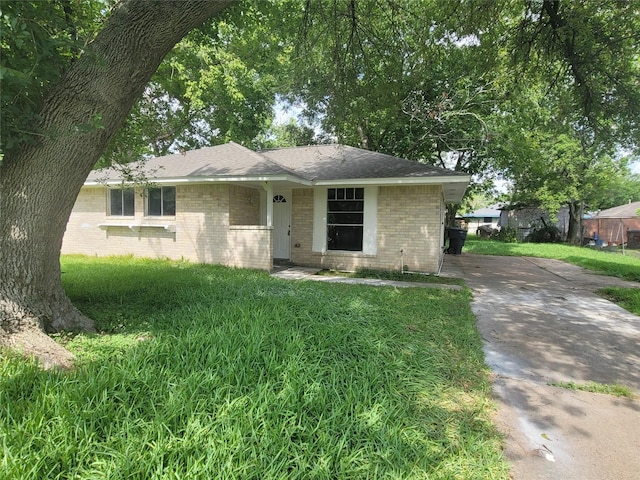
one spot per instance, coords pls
(209, 372)
(627, 298)
(609, 263)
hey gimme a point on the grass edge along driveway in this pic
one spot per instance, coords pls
(210, 372)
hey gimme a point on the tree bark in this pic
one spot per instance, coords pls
(574, 232)
(39, 183)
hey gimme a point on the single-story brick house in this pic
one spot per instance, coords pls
(329, 206)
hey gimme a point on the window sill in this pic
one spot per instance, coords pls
(249, 227)
(136, 227)
(343, 253)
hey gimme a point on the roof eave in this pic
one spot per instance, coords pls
(211, 179)
(395, 181)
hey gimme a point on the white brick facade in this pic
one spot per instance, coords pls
(221, 224)
(213, 224)
(410, 226)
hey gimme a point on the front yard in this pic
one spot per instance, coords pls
(209, 372)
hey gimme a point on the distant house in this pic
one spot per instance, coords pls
(614, 224)
(483, 217)
(329, 206)
(526, 218)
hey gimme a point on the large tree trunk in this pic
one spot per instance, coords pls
(574, 232)
(39, 183)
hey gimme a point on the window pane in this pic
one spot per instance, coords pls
(168, 200)
(115, 204)
(154, 201)
(345, 206)
(344, 238)
(128, 202)
(345, 218)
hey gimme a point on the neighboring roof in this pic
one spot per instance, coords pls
(628, 210)
(492, 211)
(311, 165)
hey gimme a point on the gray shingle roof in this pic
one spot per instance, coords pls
(336, 162)
(228, 160)
(312, 163)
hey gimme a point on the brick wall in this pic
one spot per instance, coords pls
(250, 247)
(244, 206)
(612, 230)
(202, 221)
(199, 232)
(219, 224)
(408, 218)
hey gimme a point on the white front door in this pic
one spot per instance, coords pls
(281, 224)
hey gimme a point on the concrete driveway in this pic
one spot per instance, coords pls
(542, 323)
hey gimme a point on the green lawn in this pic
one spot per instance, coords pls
(210, 372)
(627, 298)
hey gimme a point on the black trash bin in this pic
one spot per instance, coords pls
(457, 237)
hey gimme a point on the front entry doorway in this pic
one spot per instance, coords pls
(282, 225)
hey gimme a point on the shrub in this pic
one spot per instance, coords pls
(545, 234)
(507, 234)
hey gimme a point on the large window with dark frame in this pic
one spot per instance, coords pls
(345, 217)
(121, 202)
(161, 201)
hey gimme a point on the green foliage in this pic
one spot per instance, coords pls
(507, 235)
(617, 188)
(218, 84)
(212, 372)
(545, 234)
(291, 134)
(628, 298)
(398, 79)
(585, 53)
(38, 41)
